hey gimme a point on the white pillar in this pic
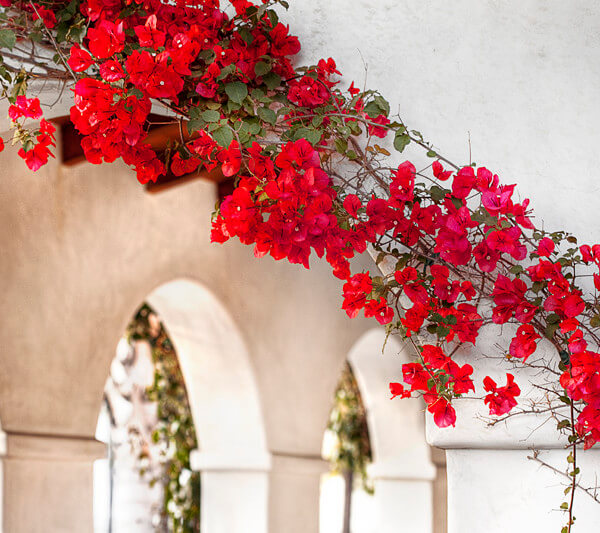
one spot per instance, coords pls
(492, 485)
(295, 486)
(48, 483)
(234, 492)
(403, 495)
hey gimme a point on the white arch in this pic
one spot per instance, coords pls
(233, 456)
(402, 468)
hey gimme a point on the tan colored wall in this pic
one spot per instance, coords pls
(83, 247)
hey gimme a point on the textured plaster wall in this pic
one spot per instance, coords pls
(520, 77)
(83, 247)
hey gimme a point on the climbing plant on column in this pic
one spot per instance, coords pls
(457, 252)
(175, 434)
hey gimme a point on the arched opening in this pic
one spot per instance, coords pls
(407, 475)
(146, 483)
(232, 457)
(346, 491)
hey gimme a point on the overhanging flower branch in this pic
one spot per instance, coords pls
(458, 253)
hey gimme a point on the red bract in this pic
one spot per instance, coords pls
(308, 92)
(546, 247)
(80, 60)
(444, 414)
(47, 16)
(355, 292)
(36, 157)
(501, 400)
(509, 297)
(148, 35)
(106, 39)
(378, 131)
(397, 389)
(380, 310)
(25, 107)
(111, 71)
(403, 182)
(523, 344)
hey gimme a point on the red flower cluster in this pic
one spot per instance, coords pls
(177, 50)
(36, 148)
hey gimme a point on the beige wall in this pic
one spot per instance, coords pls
(83, 247)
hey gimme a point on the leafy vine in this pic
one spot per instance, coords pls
(458, 254)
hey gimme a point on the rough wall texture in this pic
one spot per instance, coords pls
(520, 77)
(83, 247)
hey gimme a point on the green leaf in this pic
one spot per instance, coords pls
(246, 35)
(550, 330)
(273, 18)
(268, 115)
(564, 357)
(272, 80)
(223, 136)
(383, 104)
(237, 91)
(8, 39)
(341, 145)
(195, 124)
(438, 193)
(261, 68)
(211, 116)
(401, 141)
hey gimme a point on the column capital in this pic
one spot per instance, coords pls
(230, 462)
(68, 448)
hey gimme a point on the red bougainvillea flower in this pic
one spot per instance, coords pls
(523, 344)
(397, 389)
(80, 59)
(36, 157)
(352, 205)
(231, 159)
(403, 182)
(378, 131)
(148, 35)
(106, 39)
(380, 310)
(509, 297)
(25, 107)
(545, 247)
(111, 71)
(439, 172)
(47, 16)
(355, 292)
(444, 414)
(501, 399)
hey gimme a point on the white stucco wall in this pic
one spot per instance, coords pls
(519, 79)
(519, 76)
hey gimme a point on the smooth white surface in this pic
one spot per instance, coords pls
(402, 469)
(396, 428)
(218, 374)
(234, 502)
(233, 456)
(495, 491)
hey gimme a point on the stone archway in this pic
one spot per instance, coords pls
(233, 457)
(403, 471)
